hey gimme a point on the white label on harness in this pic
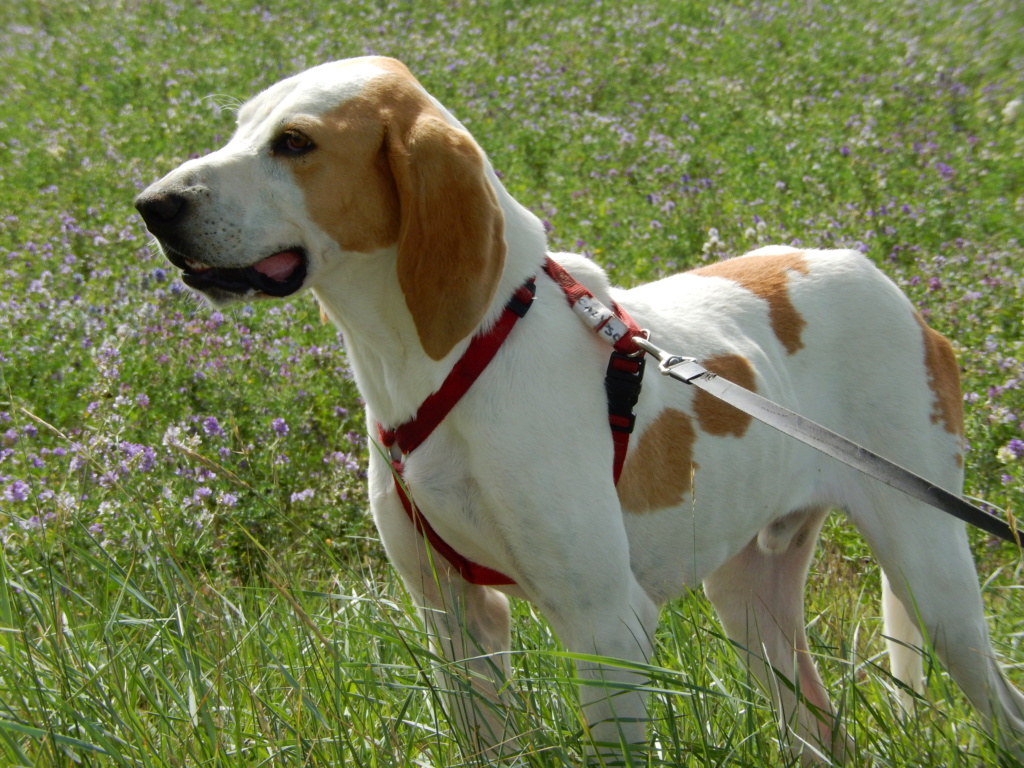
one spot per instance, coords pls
(600, 318)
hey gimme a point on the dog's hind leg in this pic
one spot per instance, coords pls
(758, 595)
(904, 641)
(927, 559)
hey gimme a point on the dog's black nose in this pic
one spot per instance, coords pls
(161, 210)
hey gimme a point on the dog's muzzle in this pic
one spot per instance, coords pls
(166, 214)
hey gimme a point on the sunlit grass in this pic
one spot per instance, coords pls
(195, 672)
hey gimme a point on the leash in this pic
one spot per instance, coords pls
(689, 371)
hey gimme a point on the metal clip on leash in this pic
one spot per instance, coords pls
(667, 362)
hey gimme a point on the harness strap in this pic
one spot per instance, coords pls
(472, 572)
(613, 325)
(625, 373)
(477, 357)
(434, 409)
(622, 385)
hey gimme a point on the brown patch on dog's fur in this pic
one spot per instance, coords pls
(346, 183)
(766, 277)
(388, 168)
(944, 380)
(659, 470)
(714, 416)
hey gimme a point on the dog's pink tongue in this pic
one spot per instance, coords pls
(280, 266)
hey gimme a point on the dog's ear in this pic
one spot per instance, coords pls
(451, 244)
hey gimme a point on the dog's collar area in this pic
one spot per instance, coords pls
(623, 380)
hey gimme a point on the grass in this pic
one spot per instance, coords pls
(188, 573)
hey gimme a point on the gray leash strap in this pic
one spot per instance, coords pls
(688, 370)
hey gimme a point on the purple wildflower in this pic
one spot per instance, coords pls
(342, 460)
(148, 459)
(17, 491)
(1011, 452)
(212, 427)
(280, 426)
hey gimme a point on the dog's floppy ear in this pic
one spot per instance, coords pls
(451, 245)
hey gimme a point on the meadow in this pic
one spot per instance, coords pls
(188, 574)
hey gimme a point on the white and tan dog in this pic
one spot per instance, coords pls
(350, 181)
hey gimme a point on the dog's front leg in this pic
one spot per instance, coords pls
(616, 623)
(470, 628)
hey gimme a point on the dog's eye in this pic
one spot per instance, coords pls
(293, 143)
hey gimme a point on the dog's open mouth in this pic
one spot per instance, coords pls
(280, 274)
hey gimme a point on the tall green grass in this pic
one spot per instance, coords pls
(187, 572)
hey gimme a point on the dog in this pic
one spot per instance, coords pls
(351, 182)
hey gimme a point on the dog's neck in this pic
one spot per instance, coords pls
(363, 299)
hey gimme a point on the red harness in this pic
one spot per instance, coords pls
(622, 383)
(625, 367)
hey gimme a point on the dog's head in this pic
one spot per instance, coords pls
(349, 158)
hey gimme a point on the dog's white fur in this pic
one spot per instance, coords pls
(413, 245)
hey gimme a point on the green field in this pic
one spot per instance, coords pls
(188, 574)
